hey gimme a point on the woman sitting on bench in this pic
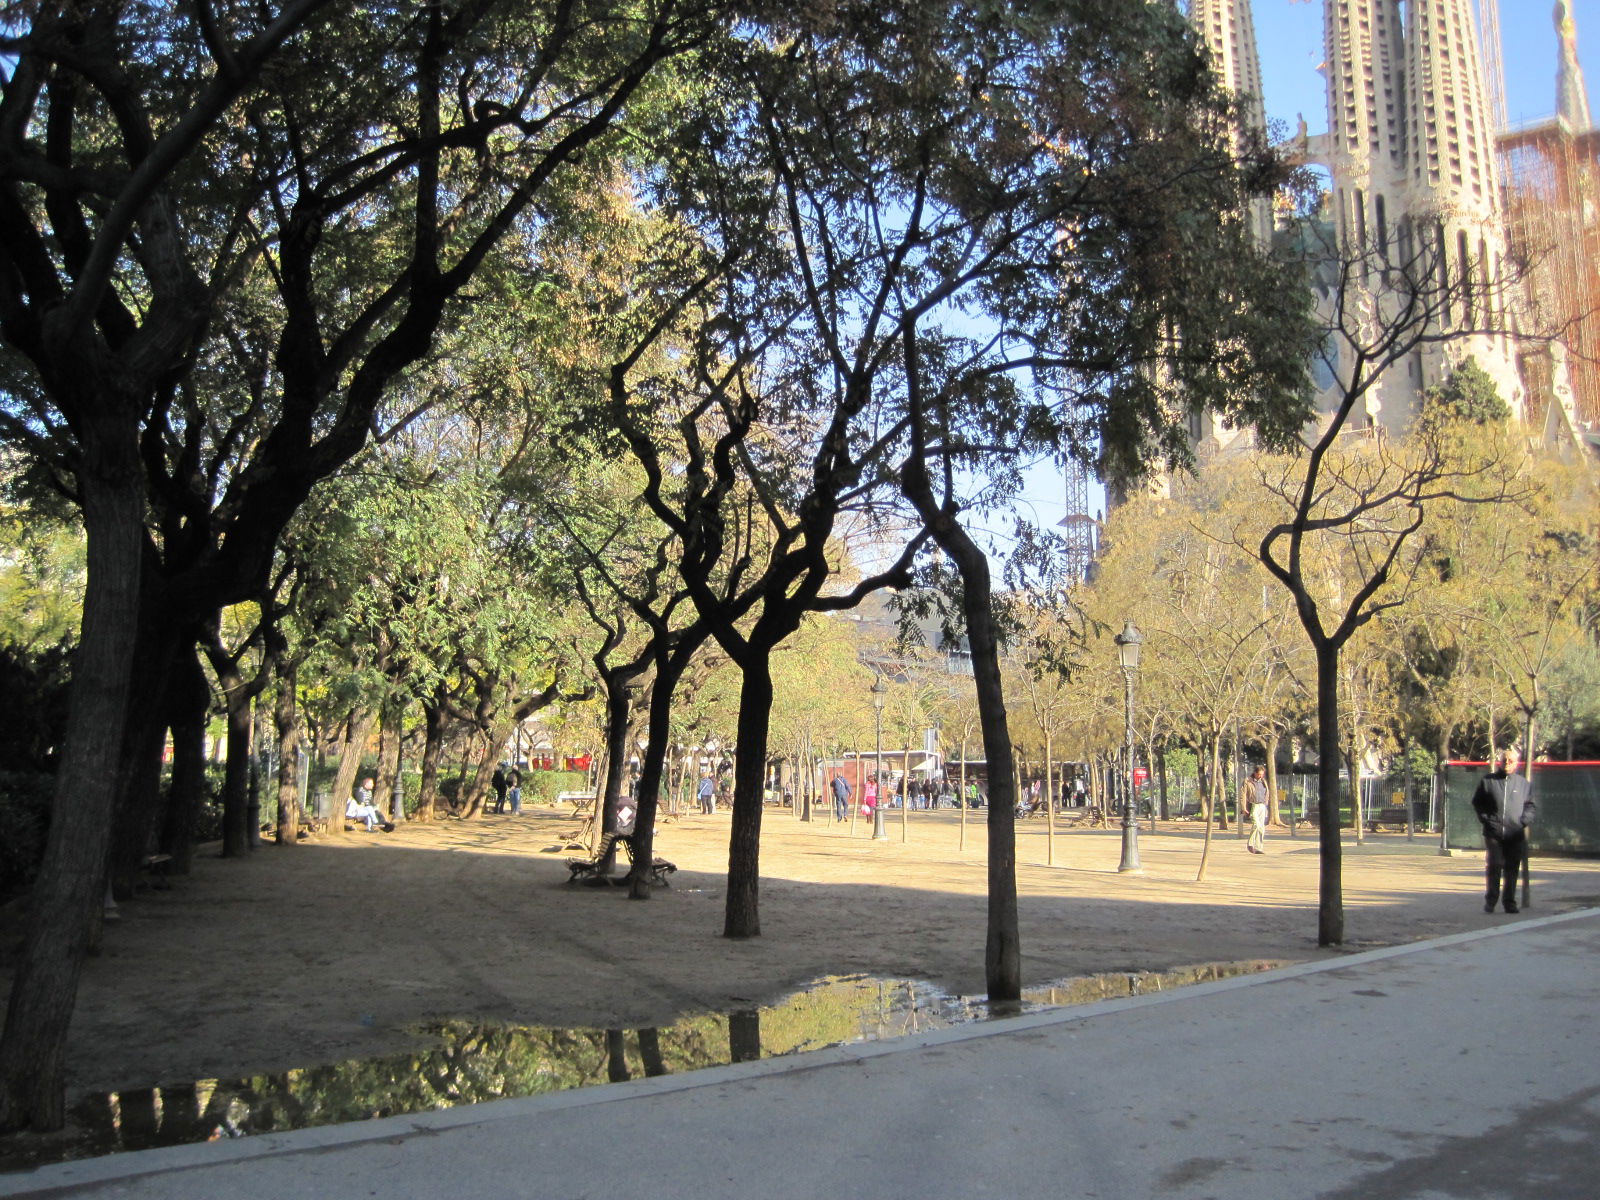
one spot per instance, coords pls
(360, 807)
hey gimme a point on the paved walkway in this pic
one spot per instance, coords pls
(1463, 1068)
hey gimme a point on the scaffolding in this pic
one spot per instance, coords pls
(1551, 178)
(1079, 530)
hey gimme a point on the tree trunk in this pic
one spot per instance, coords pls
(741, 911)
(675, 771)
(488, 758)
(432, 755)
(616, 751)
(260, 732)
(1274, 816)
(905, 789)
(616, 1057)
(1330, 896)
(963, 843)
(1163, 797)
(652, 768)
(357, 730)
(1049, 799)
(1002, 959)
(190, 704)
(1003, 943)
(1211, 767)
(236, 698)
(1352, 768)
(236, 774)
(389, 785)
(283, 720)
(68, 894)
(650, 1052)
(140, 801)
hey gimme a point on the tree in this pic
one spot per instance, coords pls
(1540, 595)
(1198, 600)
(81, 203)
(171, 203)
(1041, 674)
(1468, 395)
(1355, 500)
(815, 678)
(920, 161)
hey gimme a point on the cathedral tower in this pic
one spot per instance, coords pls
(1227, 27)
(1411, 150)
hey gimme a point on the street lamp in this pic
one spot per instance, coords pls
(1128, 642)
(880, 695)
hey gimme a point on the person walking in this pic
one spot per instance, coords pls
(1505, 809)
(707, 794)
(1253, 805)
(499, 783)
(841, 798)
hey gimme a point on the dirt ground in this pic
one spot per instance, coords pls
(331, 949)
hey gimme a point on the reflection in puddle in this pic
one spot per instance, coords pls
(465, 1063)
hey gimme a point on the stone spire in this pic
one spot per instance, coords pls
(1451, 155)
(1572, 98)
(1366, 100)
(1228, 29)
(1410, 147)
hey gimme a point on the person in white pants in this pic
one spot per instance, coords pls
(1255, 807)
(360, 807)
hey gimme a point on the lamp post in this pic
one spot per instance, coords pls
(880, 695)
(1128, 642)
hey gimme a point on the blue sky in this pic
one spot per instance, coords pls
(1290, 36)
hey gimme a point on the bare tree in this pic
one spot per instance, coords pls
(1357, 498)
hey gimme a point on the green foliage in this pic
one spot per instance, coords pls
(1423, 764)
(1469, 396)
(41, 578)
(542, 787)
(1182, 763)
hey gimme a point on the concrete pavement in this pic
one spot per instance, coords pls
(1463, 1068)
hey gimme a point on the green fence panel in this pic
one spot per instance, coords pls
(1568, 796)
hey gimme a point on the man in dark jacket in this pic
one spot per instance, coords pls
(841, 798)
(1505, 809)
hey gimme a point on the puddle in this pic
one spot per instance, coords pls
(464, 1063)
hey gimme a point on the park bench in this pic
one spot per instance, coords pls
(583, 805)
(1394, 817)
(159, 868)
(1092, 815)
(596, 870)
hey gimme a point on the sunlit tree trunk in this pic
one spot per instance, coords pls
(286, 727)
(358, 730)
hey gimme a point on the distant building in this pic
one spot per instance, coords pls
(1414, 159)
